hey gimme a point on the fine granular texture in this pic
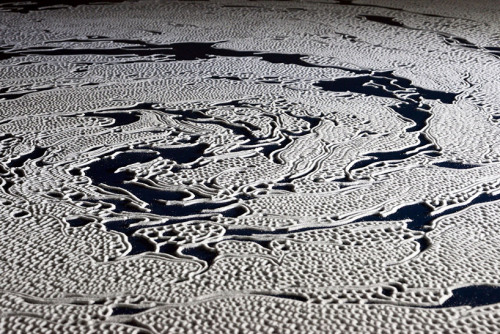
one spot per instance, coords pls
(250, 166)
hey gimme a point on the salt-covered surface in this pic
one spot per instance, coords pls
(250, 167)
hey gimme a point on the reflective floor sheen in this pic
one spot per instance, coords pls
(250, 166)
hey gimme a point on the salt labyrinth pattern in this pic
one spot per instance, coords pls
(250, 167)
